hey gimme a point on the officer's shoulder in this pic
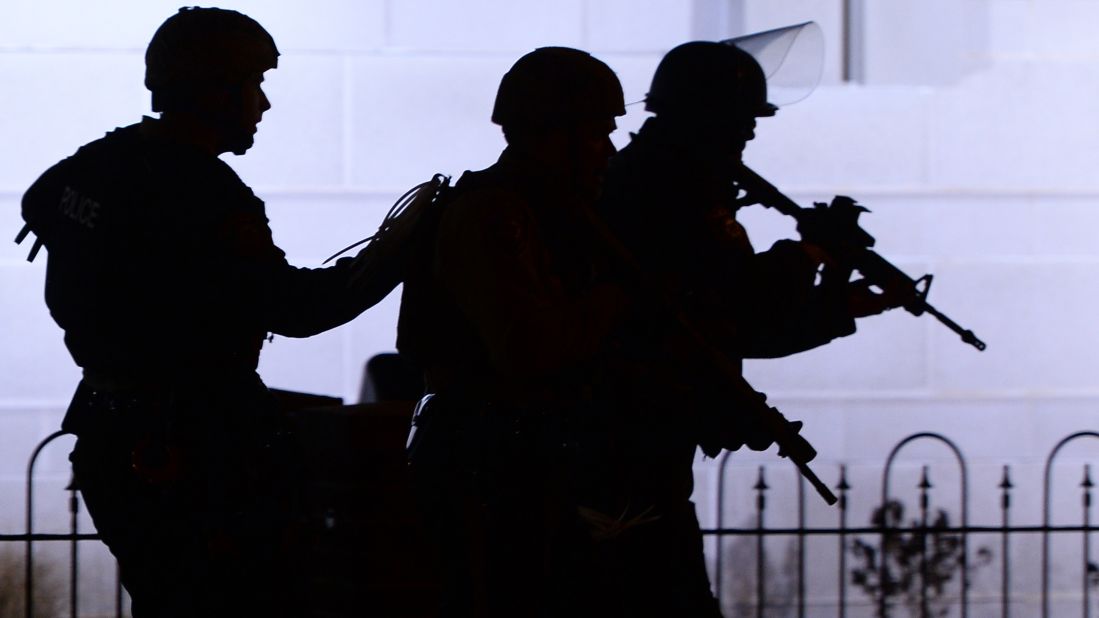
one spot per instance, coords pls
(488, 204)
(104, 151)
(94, 165)
(486, 194)
(485, 212)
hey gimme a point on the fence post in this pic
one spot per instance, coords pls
(1046, 491)
(1086, 484)
(801, 547)
(842, 487)
(925, 503)
(1005, 556)
(719, 562)
(74, 511)
(28, 581)
(965, 514)
(761, 557)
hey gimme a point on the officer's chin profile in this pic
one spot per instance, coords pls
(586, 153)
(238, 131)
(243, 110)
(592, 154)
(738, 134)
(217, 124)
(239, 144)
(574, 151)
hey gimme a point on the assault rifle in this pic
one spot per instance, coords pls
(720, 367)
(835, 228)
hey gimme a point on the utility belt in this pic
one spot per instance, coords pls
(470, 428)
(99, 406)
(125, 425)
(188, 430)
(455, 411)
(186, 406)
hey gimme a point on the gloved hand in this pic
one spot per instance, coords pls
(865, 299)
(794, 262)
(758, 437)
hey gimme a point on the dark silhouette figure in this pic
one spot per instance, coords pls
(670, 196)
(507, 314)
(164, 276)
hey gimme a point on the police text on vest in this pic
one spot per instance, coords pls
(83, 210)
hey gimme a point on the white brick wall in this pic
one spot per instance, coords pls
(485, 25)
(977, 157)
(923, 41)
(813, 143)
(54, 102)
(319, 25)
(34, 367)
(410, 117)
(1055, 29)
(651, 26)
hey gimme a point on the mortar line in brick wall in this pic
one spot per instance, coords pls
(349, 392)
(387, 22)
(801, 194)
(781, 396)
(482, 54)
(930, 349)
(348, 122)
(103, 51)
(864, 193)
(585, 35)
(292, 52)
(384, 51)
(281, 192)
(1014, 259)
(36, 405)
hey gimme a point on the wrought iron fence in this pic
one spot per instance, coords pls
(29, 537)
(918, 540)
(920, 534)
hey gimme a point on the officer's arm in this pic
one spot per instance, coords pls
(781, 310)
(289, 301)
(306, 301)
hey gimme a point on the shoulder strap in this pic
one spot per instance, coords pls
(34, 247)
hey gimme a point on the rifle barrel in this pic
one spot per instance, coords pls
(815, 481)
(966, 334)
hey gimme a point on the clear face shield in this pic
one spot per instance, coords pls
(792, 59)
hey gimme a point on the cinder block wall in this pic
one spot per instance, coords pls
(969, 132)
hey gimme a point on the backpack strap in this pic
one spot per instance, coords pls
(37, 241)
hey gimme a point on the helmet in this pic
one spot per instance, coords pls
(704, 77)
(555, 86)
(205, 47)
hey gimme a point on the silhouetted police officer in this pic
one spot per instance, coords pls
(163, 274)
(508, 317)
(670, 197)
